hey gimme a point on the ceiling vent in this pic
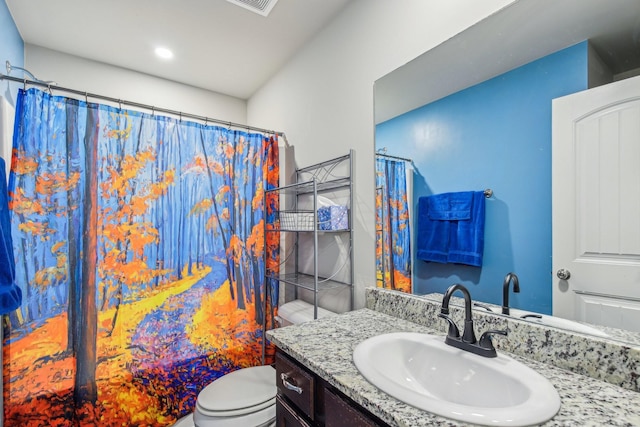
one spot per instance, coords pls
(261, 7)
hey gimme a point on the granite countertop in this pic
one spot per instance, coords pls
(325, 346)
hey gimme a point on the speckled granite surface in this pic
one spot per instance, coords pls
(601, 358)
(326, 345)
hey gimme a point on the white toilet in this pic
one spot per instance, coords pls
(246, 397)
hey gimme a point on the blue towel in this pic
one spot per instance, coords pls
(451, 228)
(432, 238)
(10, 293)
(450, 206)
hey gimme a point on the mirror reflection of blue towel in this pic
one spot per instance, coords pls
(10, 293)
(451, 228)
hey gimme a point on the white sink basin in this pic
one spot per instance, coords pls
(558, 322)
(423, 371)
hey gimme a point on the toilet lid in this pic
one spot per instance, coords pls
(242, 391)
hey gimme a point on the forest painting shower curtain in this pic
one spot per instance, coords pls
(140, 252)
(393, 237)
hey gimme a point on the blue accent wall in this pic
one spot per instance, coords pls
(12, 49)
(495, 135)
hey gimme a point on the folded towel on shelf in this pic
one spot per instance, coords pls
(10, 293)
(451, 228)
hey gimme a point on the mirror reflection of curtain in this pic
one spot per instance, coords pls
(139, 244)
(393, 237)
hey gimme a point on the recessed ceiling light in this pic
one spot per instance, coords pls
(164, 53)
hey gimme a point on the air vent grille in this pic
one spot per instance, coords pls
(261, 7)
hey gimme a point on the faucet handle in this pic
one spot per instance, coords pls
(486, 307)
(485, 338)
(531, 316)
(454, 332)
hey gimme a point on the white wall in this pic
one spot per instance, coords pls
(7, 118)
(95, 77)
(323, 98)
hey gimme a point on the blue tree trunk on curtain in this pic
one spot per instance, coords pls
(141, 254)
(85, 390)
(74, 236)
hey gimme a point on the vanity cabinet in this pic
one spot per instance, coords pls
(306, 400)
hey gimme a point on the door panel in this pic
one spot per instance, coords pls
(596, 205)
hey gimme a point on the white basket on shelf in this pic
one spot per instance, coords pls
(296, 221)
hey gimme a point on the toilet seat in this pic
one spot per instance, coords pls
(244, 397)
(263, 418)
(236, 412)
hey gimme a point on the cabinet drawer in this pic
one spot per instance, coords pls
(286, 416)
(340, 413)
(296, 384)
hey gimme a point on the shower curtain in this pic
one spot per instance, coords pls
(393, 237)
(140, 252)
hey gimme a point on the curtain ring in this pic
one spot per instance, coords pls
(120, 104)
(86, 97)
(153, 111)
(180, 116)
(25, 85)
(49, 89)
(206, 121)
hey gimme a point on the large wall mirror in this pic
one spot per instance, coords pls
(475, 114)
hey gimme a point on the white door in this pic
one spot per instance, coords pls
(596, 205)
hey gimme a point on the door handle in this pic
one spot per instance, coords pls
(563, 274)
(288, 385)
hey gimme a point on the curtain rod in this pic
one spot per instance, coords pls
(395, 157)
(180, 114)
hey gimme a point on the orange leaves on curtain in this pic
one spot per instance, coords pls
(140, 245)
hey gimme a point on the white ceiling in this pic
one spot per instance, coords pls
(217, 45)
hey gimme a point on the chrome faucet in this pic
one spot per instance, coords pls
(510, 277)
(468, 341)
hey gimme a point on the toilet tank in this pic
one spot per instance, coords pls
(298, 311)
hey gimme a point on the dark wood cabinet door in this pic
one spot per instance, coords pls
(286, 416)
(306, 400)
(296, 384)
(340, 413)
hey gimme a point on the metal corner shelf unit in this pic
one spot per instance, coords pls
(298, 217)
